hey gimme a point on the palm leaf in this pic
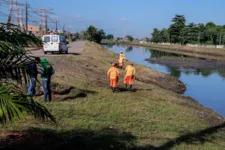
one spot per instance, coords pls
(13, 104)
(14, 59)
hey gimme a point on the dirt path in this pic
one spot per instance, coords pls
(74, 49)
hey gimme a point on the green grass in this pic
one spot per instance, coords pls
(147, 118)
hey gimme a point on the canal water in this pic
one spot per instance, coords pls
(206, 86)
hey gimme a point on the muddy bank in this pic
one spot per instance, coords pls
(213, 54)
(190, 63)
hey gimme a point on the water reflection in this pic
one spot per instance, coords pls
(129, 48)
(158, 54)
(109, 46)
(174, 72)
(206, 73)
(177, 72)
(221, 72)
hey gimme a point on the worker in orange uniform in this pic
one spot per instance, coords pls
(121, 59)
(129, 77)
(113, 75)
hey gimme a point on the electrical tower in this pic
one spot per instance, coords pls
(44, 19)
(15, 12)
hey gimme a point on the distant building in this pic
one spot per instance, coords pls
(34, 29)
(60, 31)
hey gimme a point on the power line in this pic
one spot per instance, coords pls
(44, 18)
(23, 13)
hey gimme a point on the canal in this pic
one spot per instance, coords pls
(206, 86)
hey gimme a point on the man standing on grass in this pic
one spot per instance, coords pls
(129, 77)
(46, 72)
(121, 59)
(113, 75)
(32, 72)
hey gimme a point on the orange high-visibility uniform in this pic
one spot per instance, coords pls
(121, 58)
(130, 72)
(120, 62)
(122, 55)
(113, 74)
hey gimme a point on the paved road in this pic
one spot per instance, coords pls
(74, 48)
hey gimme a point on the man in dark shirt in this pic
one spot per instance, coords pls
(32, 72)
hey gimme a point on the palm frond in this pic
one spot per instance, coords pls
(13, 104)
(13, 55)
(11, 34)
(14, 59)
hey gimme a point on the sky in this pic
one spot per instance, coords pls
(134, 17)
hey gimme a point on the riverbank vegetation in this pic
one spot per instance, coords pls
(198, 52)
(181, 32)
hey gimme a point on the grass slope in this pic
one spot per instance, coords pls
(90, 116)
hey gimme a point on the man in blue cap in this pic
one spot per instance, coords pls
(46, 72)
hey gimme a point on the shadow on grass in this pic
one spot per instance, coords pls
(76, 140)
(125, 90)
(69, 53)
(81, 94)
(105, 139)
(131, 90)
(196, 138)
(64, 92)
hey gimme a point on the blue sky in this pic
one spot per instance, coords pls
(134, 17)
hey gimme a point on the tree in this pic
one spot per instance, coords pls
(190, 34)
(109, 36)
(164, 35)
(155, 35)
(76, 36)
(211, 33)
(94, 35)
(176, 28)
(130, 38)
(147, 39)
(160, 35)
(99, 36)
(13, 60)
(179, 32)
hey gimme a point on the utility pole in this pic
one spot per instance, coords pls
(27, 15)
(46, 23)
(44, 18)
(56, 25)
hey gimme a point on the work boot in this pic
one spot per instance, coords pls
(113, 89)
(130, 87)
